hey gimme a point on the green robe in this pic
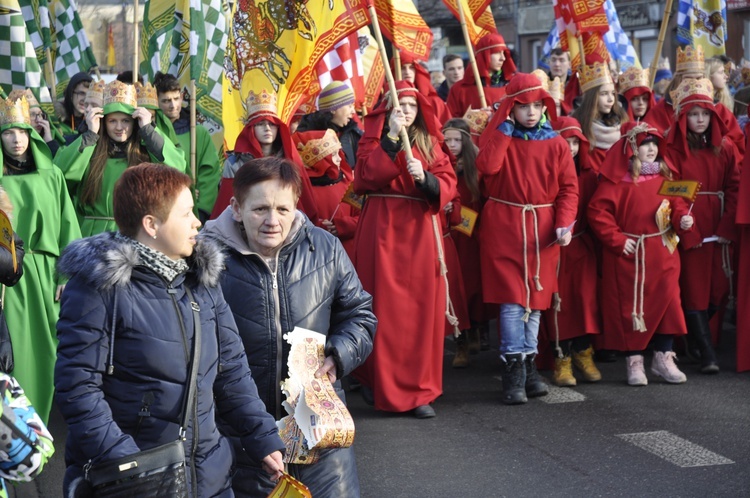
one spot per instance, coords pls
(45, 220)
(208, 169)
(99, 217)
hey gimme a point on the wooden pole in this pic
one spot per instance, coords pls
(193, 139)
(582, 52)
(51, 75)
(472, 58)
(659, 43)
(397, 64)
(135, 41)
(403, 133)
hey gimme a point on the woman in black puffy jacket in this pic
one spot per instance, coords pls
(122, 359)
(282, 272)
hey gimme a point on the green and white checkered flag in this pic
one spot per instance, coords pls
(187, 38)
(36, 14)
(19, 67)
(72, 50)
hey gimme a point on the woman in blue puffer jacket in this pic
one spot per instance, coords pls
(123, 356)
(282, 272)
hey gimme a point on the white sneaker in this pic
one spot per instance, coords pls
(664, 366)
(636, 371)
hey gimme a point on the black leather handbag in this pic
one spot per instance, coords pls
(159, 471)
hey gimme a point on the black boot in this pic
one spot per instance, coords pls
(690, 342)
(514, 380)
(535, 386)
(484, 336)
(698, 326)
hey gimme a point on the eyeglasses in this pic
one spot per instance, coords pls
(263, 124)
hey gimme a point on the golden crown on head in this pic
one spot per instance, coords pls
(319, 148)
(594, 75)
(118, 92)
(96, 90)
(543, 78)
(30, 98)
(146, 95)
(556, 89)
(14, 111)
(691, 90)
(259, 104)
(690, 60)
(633, 78)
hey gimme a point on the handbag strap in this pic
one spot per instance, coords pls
(195, 359)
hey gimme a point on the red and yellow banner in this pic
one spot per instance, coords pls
(401, 23)
(275, 46)
(473, 10)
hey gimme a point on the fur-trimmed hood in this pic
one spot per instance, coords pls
(105, 262)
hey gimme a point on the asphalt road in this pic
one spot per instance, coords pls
(605, 439)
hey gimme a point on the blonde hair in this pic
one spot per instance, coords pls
(721, 95)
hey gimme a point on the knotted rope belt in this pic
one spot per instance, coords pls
(450, 313)
(524, 209)
(639, 323)
(726, 257)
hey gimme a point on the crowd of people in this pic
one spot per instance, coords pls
(547, 201)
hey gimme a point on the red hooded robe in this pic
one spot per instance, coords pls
(423, 83)
(396, 258)
(743, 270)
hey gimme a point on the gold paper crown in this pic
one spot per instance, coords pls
(690, 60)
(556, 89)
(96, 91)
(146, 95)
(477, 120)
(118, 92)
(17, 94)
(690, 90)
(543, 78)
(595, 75)
(259, 104)
(633, 78)
(319, 148)
(14, 111)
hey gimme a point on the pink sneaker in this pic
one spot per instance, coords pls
(664, 366)
(636, 371)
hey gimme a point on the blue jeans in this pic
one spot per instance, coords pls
(517, 336)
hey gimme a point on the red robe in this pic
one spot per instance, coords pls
(396, 259)
(702, 280)
(743, 270)
(463, 94)
(524, 172)
(662, 116)
(626, 207)
(577, 280)
(455, 277)
(328, 199)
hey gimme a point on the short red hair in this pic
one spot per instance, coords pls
(145, 189)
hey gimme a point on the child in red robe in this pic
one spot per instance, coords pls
(633, 84)
(699, 149)
(575, 312)
(640, 292)
(330, 177)
(530, 179)
(398, 246)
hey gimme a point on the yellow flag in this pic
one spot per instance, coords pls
(687, 189)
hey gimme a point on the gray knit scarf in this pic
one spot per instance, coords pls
(155, 260)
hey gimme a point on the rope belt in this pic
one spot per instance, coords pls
(450, 313)
(99, 218)
(524, 209)
(726, 257)
(639, 323)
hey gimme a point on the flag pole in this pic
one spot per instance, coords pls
(193, 140)
(51, 73)
(659, 43)
(403, 133)
(472, 58)
(135, 41)
(582, 52)
(397, 63)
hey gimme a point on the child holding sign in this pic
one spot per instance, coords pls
(530, 178)
(640, 295)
